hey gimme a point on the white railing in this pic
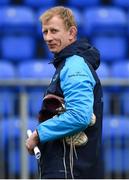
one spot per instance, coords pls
(40, 82)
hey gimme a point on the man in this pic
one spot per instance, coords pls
(76, 81)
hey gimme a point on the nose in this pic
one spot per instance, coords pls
(48, 36)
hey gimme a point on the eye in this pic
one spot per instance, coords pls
(45, 32)
(54, 31)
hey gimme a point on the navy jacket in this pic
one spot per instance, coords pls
(76, 81)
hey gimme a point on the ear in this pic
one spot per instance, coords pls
(72, 32)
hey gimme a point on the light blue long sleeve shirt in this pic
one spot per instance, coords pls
(77, 84)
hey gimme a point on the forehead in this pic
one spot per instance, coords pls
(54, 22)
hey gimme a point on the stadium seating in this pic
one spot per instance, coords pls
(7, 102)
(11, 139)
(1, 20)
(7, 98)
(37, 68)
(107, 28)
(18, 27)
(121, 3)
(15, 165)
(31, 70)
(82, 3)
(105, 19)
(112, 47)
(39, 3)
(16, 48)
(121, 70)
(17, 19)
(7, 70)
(5, 2)
(107, 34)
(115, 143)
(124, 99)
(104, 73)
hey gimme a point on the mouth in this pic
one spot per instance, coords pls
(51, 46)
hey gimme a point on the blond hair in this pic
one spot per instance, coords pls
(64, 13)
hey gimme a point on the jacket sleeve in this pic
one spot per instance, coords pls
(77, 84)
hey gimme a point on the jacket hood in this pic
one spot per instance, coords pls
(81, 48)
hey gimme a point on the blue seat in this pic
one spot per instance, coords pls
(115, 143)
(17, 48)
(121, 3)
(10, 142)
(120, 69)
(104, 73)
(15, 163)
(1, 20)
(13, 133)
(7, 97)
(124, 99)
(82, 3)
(17, 27)
(106, 102)
(117, 45)
(7, 70)
(115, 126)
(18, 19)
(5, 2)
(7, 102)
(107, 27)
(39, 3)
(105, 20)
(38, 69)
(35, 97)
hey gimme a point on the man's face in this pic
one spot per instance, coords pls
(55, 34)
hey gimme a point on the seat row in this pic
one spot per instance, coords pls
(41, 70)
(31, 70)
(106, 27)
(11, 130)
(92, 19)
(115, 144)
(19, 48)
(74, 3)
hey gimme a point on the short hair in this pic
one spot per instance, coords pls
(64, 13)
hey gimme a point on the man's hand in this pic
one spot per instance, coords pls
(32, 141)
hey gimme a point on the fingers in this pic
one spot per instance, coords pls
(29, 147)
(31, 142)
